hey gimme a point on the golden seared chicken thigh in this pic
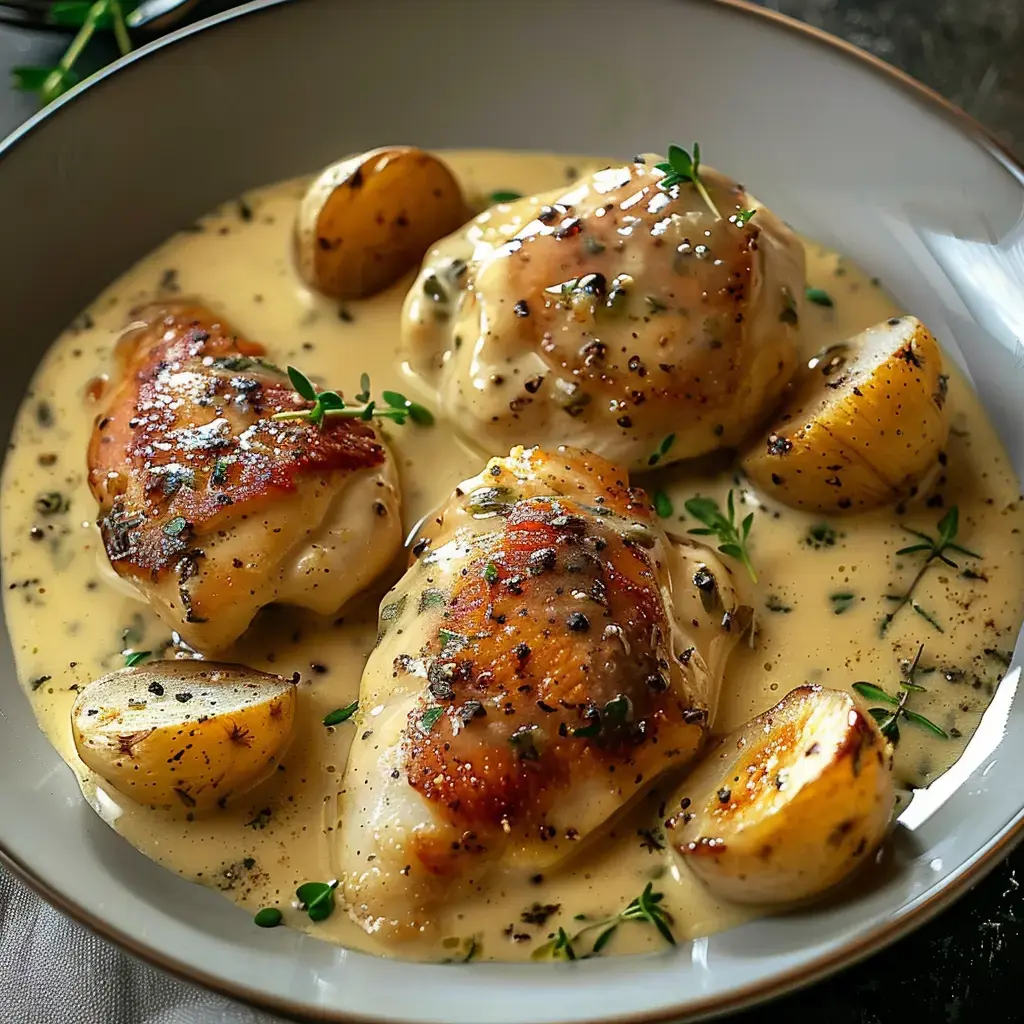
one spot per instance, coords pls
(210, 507)
(639, 318)
(547, 655)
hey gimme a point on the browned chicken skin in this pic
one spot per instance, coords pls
(618, 314)
(213, 509)
(548, 655)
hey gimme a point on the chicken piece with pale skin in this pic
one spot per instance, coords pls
(211, 508)
(641, 316)
(548, 654)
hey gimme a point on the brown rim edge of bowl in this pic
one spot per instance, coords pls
(985, 859)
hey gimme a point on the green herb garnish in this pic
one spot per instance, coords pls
(135, 658)
(176, 526)
(732, 539)
(329, 403)
(888, 717)
(429, 719)
(220, 471)
(491, 572)
(606, 721)
(50, 82)
(662, 451)
(317, 899)
(681, 168)
(936, 547)
(662, 504)
(646, 907)
(819, 297)
(821, 535)
(742, 218)
(340, 715)
(842, 601)
(268, 917)
(504, 197)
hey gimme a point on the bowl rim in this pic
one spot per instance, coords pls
(969, 873)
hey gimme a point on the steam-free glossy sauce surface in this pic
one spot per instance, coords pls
(821, 595)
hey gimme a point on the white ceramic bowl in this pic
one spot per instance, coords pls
(845, 148)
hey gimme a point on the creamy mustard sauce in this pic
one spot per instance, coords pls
(820, 599)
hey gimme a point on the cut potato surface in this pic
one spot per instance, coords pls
(183, 733)
(864, 425)
(789, 804)
(365, 221)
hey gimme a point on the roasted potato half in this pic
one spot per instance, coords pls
(788, 805)
(183, 733)
(866, 421)
(367, 220)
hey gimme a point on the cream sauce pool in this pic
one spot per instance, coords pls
(821, 595)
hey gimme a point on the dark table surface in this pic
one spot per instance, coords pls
(959, 968)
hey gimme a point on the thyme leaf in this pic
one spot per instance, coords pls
(646, 907)
(340, 715)
(329, 403)
(948, 528)
(317, 899)
(732, 539)
(888, 718)
(682, 168)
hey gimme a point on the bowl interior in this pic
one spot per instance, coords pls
(845, 152)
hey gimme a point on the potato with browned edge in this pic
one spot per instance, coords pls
(367, 220)
(184, 733)
(788, 805)
(865, 423)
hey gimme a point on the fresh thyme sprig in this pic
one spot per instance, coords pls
(936, 547)
(888, 717)
(732, 539)
(681, 168)
(51, 82)
(644, 908)
(329, 403)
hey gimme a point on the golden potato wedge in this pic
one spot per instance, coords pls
(185, 733)
(367, 220)
(865, 423)
(790, 804)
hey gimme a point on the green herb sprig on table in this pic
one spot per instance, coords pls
(732, 539)
(88, 16)
(681, 168)
(888, 717)
(329, 403)
(646, 907)
(936, 547)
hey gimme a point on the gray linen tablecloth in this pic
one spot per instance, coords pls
(54, 971)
